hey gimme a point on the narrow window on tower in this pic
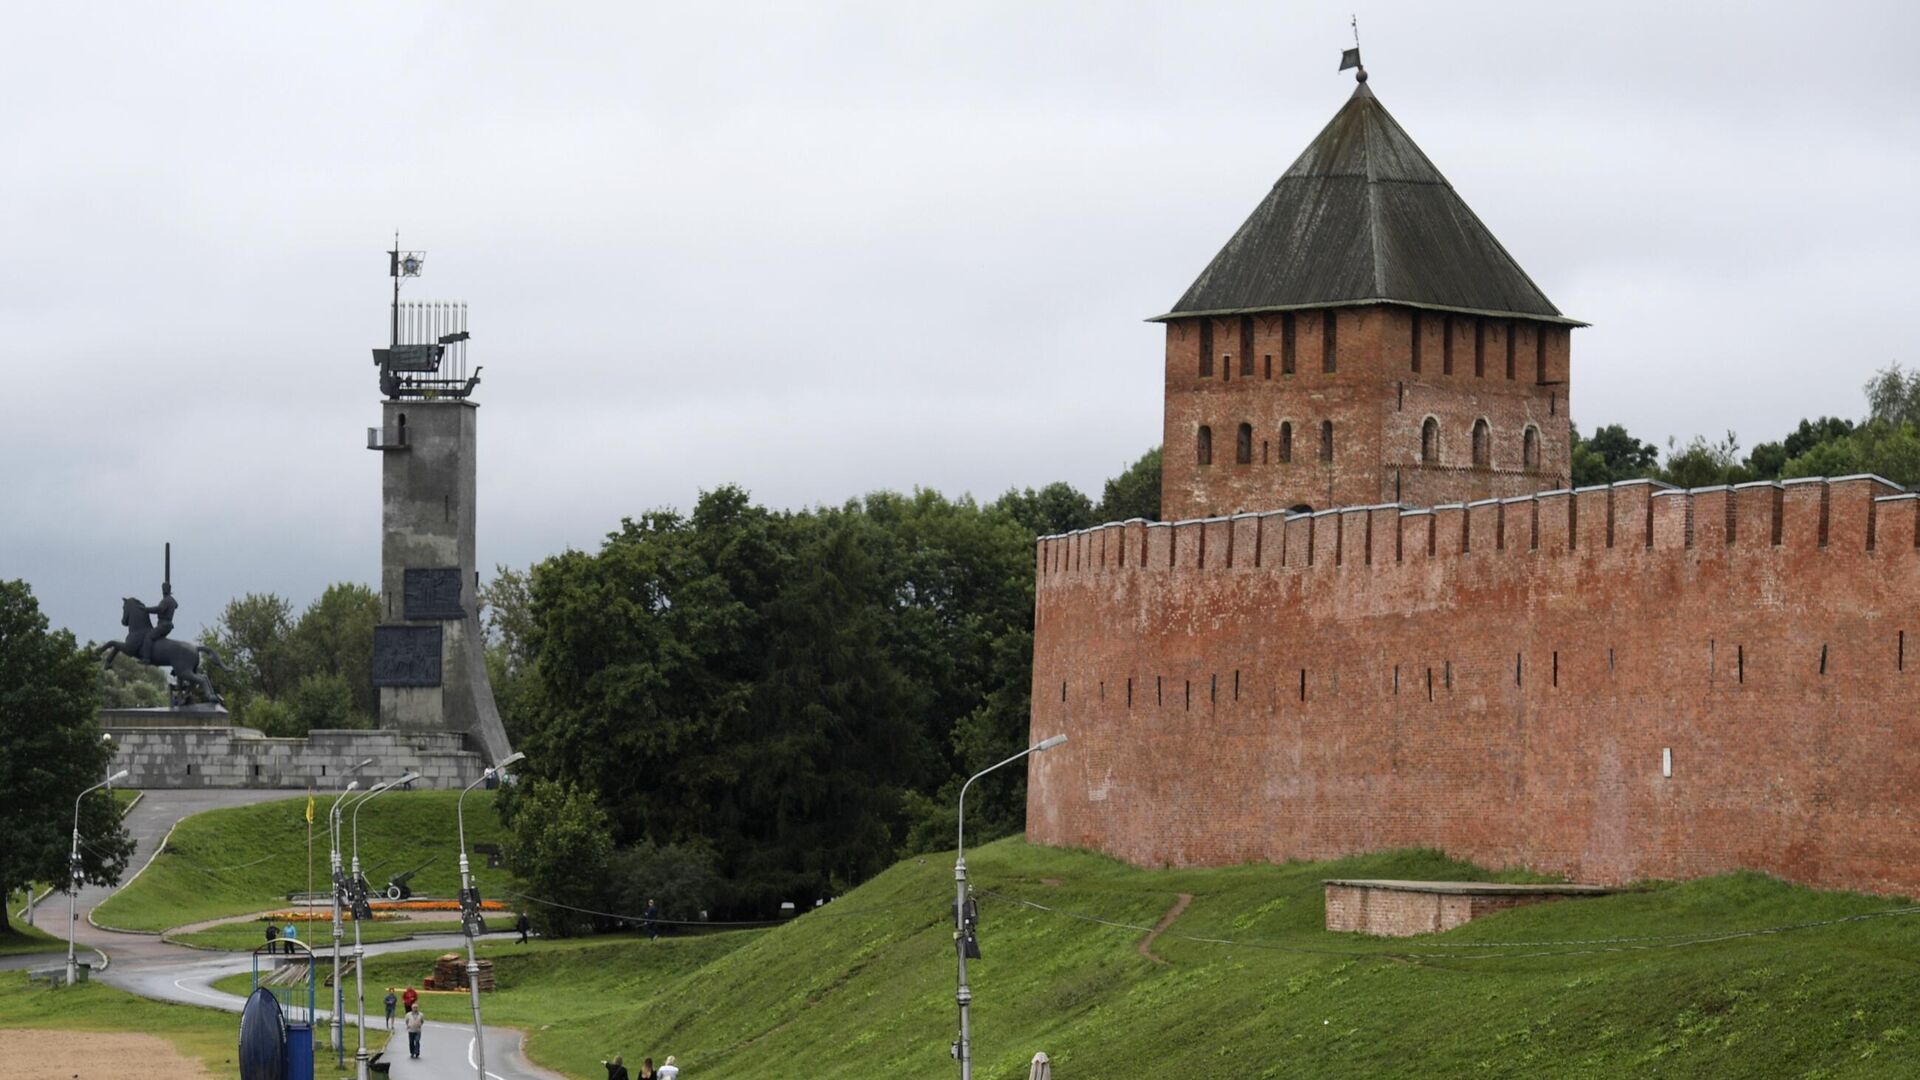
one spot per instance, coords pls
(1243, 445)
(1330, 341)
(1530, 449)
(1246, 346)
(1416, 341)
(1446, 345)
(1203, 446)
(1268, 366)
(1511, 326)
(1286, 441)
(1286, 343)
(1326, 440)
(1430, 442)
(1206, 348)
(1479, 348)
(1540, 356)
(1482, 443)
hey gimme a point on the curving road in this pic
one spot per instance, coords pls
(150, 967)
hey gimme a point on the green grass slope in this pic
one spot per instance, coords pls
(248, 858)
(207, 1034)
(864, 988)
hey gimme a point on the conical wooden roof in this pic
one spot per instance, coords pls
(1364, 217)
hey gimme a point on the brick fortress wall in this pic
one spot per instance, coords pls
(1508, 681)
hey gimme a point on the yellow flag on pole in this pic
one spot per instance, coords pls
(309, 809)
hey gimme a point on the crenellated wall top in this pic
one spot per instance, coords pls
(1846, 514)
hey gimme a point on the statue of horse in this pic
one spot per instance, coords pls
(180, 658)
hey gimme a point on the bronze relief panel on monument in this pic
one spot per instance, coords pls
(432, 593)
(406, 656)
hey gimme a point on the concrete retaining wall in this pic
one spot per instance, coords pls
(243, 758)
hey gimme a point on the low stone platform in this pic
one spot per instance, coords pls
(1388, 908)
(237, 757)
(191, 716)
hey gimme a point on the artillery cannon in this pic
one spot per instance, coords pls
(399, 887)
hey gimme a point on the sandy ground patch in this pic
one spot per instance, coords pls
(90, 1055)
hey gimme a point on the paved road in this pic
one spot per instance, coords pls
(145, 965)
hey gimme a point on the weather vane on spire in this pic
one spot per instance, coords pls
(1350, 58)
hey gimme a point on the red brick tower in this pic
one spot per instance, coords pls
(1362, 339)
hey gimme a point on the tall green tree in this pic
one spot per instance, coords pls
(334, 640)
(1610, 456)
(560, 848)
(1135, 493)
(1059, 507)
(252, 637)
(52, 751)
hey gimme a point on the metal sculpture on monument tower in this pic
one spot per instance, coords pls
(153, 645)
(429, 666)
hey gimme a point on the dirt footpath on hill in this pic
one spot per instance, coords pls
(91, 1055)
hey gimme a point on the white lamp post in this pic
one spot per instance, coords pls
(73, 872)
(359, 953)
(467, 924)
(963, 1047)
(333, 868)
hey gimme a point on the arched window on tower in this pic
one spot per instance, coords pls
(1203, 446)
(1430, 442)
(1530, 448)
(1243, 445)
(1482, 443)
(1326, 440)
(1286, 441)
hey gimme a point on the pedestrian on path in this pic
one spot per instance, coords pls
(522, 924)
(273, 938)
(651, 924)
(391, 1001)
(668, 1071)
(408, 997)
(646, 1070)
(617, 1068)
(415, 1022)
(288, 936)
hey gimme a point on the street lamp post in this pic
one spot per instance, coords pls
(962, 930)
(334, 871)
(74, 876)
(359, 893)
(470, 919)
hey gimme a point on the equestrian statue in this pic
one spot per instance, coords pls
(154, 646)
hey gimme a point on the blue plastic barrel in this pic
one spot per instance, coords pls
(299, 1052)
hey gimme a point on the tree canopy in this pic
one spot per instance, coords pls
(49, 690)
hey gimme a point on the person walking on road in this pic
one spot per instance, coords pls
(390, 1002)
(522, 924)
(415, 1022)
(408, 997)
(668, 1071)
(617, 1068)
(273, 938)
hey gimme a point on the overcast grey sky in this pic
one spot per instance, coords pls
(823, 249)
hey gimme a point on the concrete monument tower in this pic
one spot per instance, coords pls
(428, 659)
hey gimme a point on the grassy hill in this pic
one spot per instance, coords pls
(864, 988)
(248, 858)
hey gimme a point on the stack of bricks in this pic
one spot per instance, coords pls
(450, 973)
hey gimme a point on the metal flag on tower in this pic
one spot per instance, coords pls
(1349, 58)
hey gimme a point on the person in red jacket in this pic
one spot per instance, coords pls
(407, 998)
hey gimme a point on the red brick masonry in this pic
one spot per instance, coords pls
(1613, 684)
(1386, 908)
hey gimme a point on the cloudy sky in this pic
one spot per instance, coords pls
(822, 249)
